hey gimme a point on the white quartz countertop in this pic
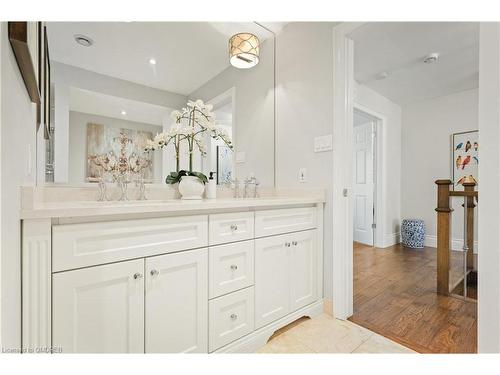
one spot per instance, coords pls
(175, 206)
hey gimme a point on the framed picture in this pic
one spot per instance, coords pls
(25, 40)
(465, 157)
(224, 165)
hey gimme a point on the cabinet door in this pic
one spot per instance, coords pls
(272, 281)
(303, 265)
(177, 302)
(100, 309)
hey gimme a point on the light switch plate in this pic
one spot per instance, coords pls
(323, 143)
(240, 157)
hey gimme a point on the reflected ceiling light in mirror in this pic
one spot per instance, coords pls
(124, 113)
(244, 50)
(152, 61)
(83, 40)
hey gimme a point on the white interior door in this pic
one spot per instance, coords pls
(363, 136)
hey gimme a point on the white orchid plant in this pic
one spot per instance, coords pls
(189, 126)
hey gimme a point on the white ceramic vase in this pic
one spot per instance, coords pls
(191, 187)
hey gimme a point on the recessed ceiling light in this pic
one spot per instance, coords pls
(152, 61)
(83, 40)
(124, 113)
(429, 59)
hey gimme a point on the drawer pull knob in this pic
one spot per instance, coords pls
(234, 227)
(154, 273)
(287, 244)
(234, 316)
(294, 243)
(234, 267)
(137, 275)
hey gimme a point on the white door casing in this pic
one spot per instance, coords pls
(100, 309)
(177, 303)
(363, 183)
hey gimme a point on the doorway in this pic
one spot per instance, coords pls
(364, 177)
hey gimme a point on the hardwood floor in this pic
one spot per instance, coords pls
(395, 296)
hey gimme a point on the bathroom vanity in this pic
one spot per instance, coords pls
(169, 276)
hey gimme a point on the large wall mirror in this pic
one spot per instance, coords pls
(115, 85)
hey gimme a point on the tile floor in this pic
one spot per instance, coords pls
(325, 334)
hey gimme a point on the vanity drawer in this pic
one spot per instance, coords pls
(230, 317)
(82, 245)
(231, 267)
(271, 222)
(231, 227)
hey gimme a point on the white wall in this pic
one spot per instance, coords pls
(304, 110)
(426, 156)
(391, 158)
(78, 142)
(489, 174)
(254, 113)
(18, 153)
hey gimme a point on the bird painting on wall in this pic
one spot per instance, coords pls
(466, 161)
(476, 146)
(459, 146)
(458, 162)
(468, 146)
(475, 159)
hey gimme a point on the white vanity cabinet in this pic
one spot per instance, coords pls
(285, 275)
(200, 283)
(100, 309)
(176, 303)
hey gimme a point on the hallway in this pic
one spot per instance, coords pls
(395, 296)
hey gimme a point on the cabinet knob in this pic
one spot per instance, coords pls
(154, 273)
(287, 244)
(234, 316)
(234, 267)
(294, 243)
(234, 227)
(137, 275)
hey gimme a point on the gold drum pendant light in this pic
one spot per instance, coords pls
(244, 50)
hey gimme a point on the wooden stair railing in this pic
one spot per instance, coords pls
(444, 212)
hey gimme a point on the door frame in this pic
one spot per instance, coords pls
(378, 154)
(343, 104)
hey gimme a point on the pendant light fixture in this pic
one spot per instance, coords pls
(244, 50)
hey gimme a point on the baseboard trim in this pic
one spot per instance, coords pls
(257, 339)
(392, 239)
(456, 243)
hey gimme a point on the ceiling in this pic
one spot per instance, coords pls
(187, 54)
(111, 106)
(398, 48)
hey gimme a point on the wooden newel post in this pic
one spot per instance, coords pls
(443, 210)
(470, 186)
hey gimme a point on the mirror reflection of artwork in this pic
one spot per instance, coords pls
(224, 165)
(465, 157)
(121, 146)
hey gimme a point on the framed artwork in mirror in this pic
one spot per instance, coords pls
(465, 157)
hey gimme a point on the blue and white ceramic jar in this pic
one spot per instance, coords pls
(413, 233)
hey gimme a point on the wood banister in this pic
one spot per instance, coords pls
(469, 188)
(444, 211)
